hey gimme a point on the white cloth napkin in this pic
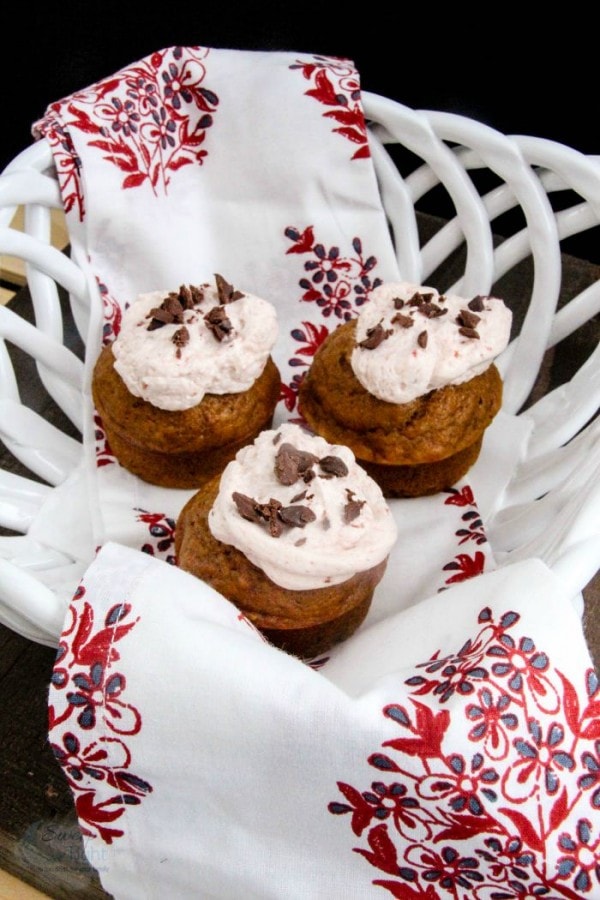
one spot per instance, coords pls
(204, 762)
(448, 751)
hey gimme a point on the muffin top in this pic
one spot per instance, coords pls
(302, 510)
(410, 340)
(175, 347)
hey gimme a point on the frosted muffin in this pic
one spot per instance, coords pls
(187, 382)
(410, 386)
(295, 534)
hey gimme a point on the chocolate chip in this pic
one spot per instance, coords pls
(188, 296)
(170, 311)
(467, 319)
(403, 321)
(422, 339)
(219, 323)
(398, 302)
(333, 466)
(246, 506)
(375, 336)
(417, 299)
(296, 516)
(180, 338)
(469, 333)
(292, 464)
(432, 310)
(476, 304)
(225, 291)
(273, 514)
(353, 507)
(158, 318)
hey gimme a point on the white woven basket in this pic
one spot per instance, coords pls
(551, 508)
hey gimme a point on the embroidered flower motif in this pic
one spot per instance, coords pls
(161, 529)
(454, 673)
(148, 121)
(492, 716)
(336, 85)
(465, 567)
(524, 666)
(462, 786)
(337, 284)
(473, 530)
(447, 868)
(541, 762)
(508, 860)
(106, 759)
(382, 802)
(86, 686)
(123, 117)
(581, 859)
(486, 831)
(591, 762)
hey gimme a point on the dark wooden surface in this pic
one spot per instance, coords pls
(39, 838)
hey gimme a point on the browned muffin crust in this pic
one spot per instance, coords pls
(180, 448)
(305, 623)
(428, 429)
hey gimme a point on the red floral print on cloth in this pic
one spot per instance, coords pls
(507, 820)
(86, 686)
(465, 566)
(336, 84)
(337, 284)
(112, 315)
(161, 531)
(139, 120)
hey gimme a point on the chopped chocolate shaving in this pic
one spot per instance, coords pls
(277, 438)
(375, 336)
(353, 507)
(398, 302)
(225, 291)
(188, 296)
(469, 333)
(300, 542)
(333, 466)
(246, 506)
(422, 339)
(292, 464)
(272, 514)
(180, 338)
(432, 310)
(219, 323)
(170, 311)
(476, 304)
(417, 299)
(467, 318)
(296, 516)
(403, 321)
(326, 523)
(298, 497)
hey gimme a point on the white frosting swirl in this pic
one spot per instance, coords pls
(175, 377)
(328, 550)
(403, 366)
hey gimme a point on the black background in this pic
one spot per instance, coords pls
(521, 73)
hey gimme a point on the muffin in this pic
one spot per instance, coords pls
(410, 385)
(187, 382)
(295, 534)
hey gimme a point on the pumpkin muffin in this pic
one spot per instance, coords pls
(410, 386)
(188, 381)
(295, 534)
